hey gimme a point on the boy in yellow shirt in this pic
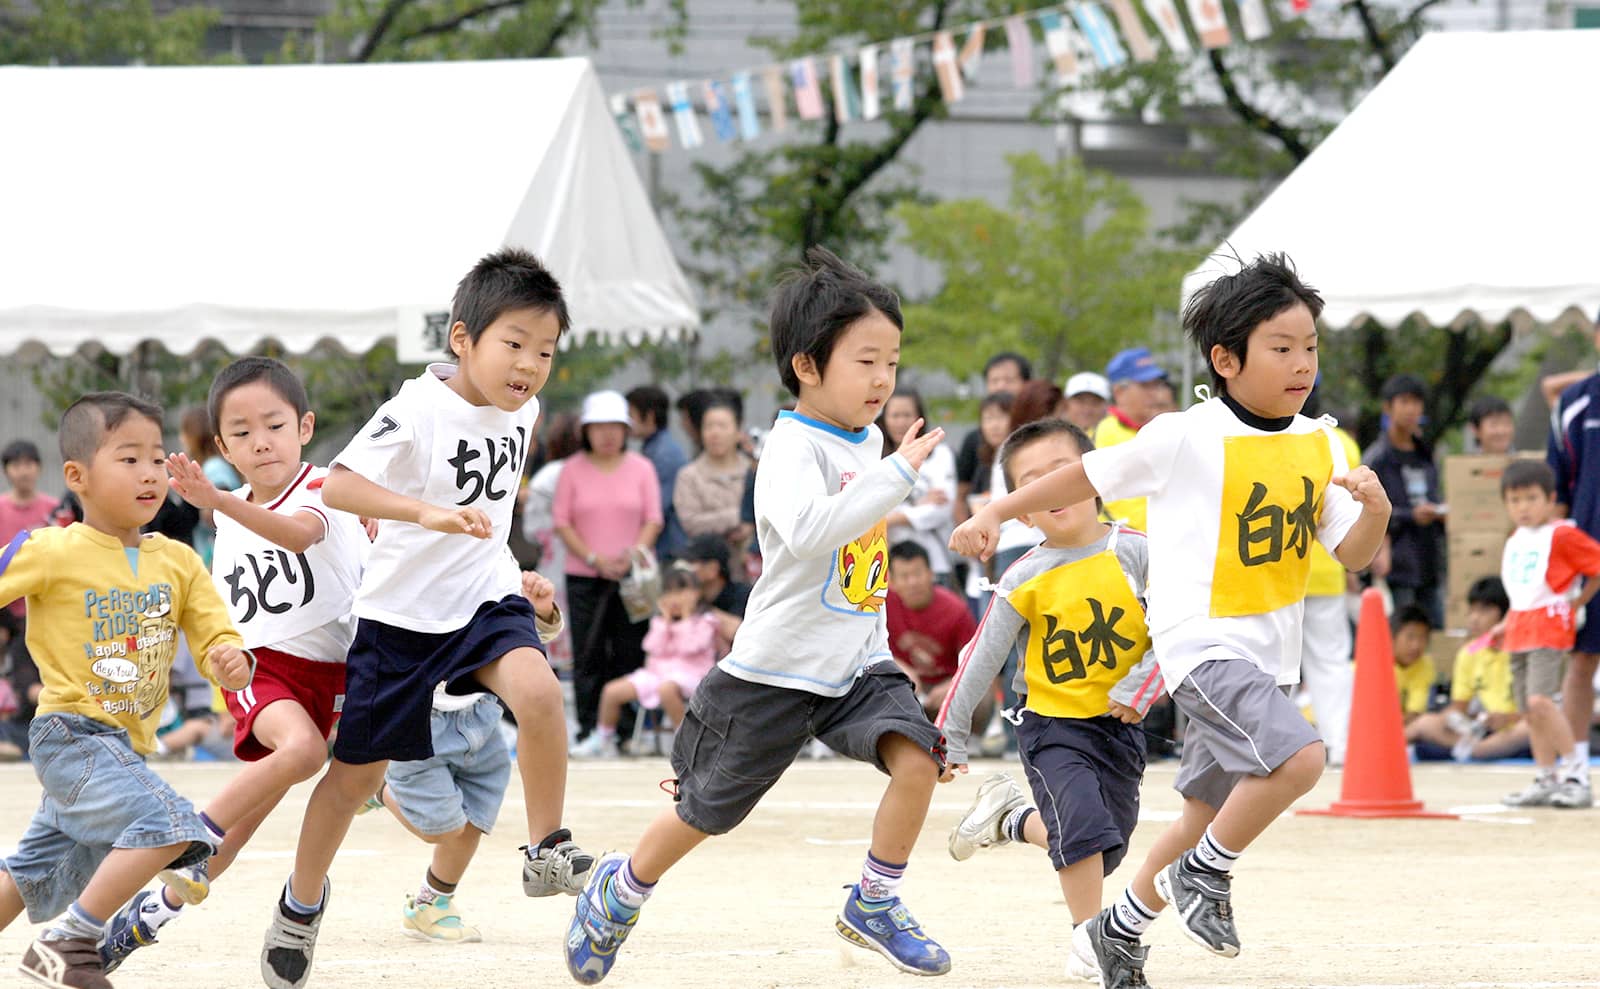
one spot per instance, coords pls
(1482, 721)
(1414, 672)
(106, 605)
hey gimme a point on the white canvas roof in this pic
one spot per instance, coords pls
(1464, 182)
(301, 203)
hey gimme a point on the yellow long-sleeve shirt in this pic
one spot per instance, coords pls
(103, 622)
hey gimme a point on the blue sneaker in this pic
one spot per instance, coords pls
(599, 925)
(888, 928)
(127, 932)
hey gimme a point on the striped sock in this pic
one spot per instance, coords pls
(627, 889)
(1128, 917)
(213, 829)
(1016, 822)
(1210, 855)
(880, 880)
(433, 888)
(76, 923)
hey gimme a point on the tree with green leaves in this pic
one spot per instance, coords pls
(101, 32)
(1067, 272)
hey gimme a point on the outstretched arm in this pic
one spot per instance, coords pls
(348, 491)
(1066, 485)
(295, 533)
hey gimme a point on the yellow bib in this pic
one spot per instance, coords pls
(1086, 629)
(1272, 490)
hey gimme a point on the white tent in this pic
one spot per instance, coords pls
(1464, 182)
(302, 203)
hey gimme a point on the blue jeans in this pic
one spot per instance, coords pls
(465, 781)
(98, 795)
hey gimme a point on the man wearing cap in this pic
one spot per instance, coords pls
(1087, 395)
(1138, 393)
(708, 555)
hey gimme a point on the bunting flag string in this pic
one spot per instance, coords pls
(1081, 38)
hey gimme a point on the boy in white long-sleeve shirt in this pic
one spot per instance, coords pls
(805, 664)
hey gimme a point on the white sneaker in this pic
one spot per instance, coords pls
(997, 796)
(1572, 794)
(1081, 963)
(1539, 793)
(596, 746)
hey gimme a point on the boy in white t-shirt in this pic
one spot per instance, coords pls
(287, 568)
(441, 599)
(812, 658)
(1238, 486)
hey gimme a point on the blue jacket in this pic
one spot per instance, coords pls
(663, 451)
(1574, 452)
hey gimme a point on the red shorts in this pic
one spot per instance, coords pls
(316, 687)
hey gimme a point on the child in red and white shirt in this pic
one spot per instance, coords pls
(1540, 567)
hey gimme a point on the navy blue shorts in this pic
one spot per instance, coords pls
(1589, 635)
(1085, 775)
(391, 673)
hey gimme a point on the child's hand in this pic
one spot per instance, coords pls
(950, 771)
(190, 481)
(471, 521)
(1366, 489)
(371, 525)
(977, 536)
(230, 665)
(1123, 713)
(541, 593)
(916, 448)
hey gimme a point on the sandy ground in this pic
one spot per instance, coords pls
(1495, 899)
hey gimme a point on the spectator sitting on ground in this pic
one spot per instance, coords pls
(1414, 672)
(1482, 720)
(1491, 425)
(1088, 395)
(929, 625)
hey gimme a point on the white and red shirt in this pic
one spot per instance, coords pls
(297, 603)
(1540, 567)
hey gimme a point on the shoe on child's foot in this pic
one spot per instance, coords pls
(290, 942)
(556, 866)
(1540, 793)
(600, 924)
(66, 963)
(1081, 962)
(1204, 902)
(1119, 963)
(128, 931)
(436, 921)
(596, 746)
(372, 803)
(888, 928)
(1572, 794)
(191, 884)
(997, 796)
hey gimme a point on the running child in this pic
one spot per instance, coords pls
(1238, 486)
(441, 598)
(812, 657)
(288, 568)
(105, 606)
(1073, 607)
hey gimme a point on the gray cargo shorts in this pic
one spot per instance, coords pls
(1537, 673)
(1240, 724)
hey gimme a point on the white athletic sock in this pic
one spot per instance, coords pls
(1129, 917)
(1581, 759)
(1211, 854)
(156, 911)
(76, 923)
(880, 880)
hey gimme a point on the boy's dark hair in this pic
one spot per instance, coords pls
(20, 450)
(1403, 384)
(248, 370)
(508, 279)
(1024, 369)
(1229, 309)
(1489, 591)
(1034, 431)
(1412, 614)
(85, 423)
(1528, 474)
(651, 401)
(1486, 406)
(905, 551)
(814, 305)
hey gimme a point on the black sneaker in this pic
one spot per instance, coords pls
(1121, 962)
(1204, 902)
(290, 942)
(65, 963)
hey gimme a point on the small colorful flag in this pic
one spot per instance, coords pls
(946, 68)
(777, 99)
(651, 121)
(716, 95)
(1096, 27)
(846, 97)
(871, 106)
(1165, 14)
(1210, 22)
(807, 92)
(683, 115)
(902, 55)
(1020, 40)
(1058, 41)
(972, 52)
(1253, 18)
(1300, 6)
(744, 97)
(626, 122)
(1133, 30)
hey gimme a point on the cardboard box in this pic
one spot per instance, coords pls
(1471, 484)
(1472, 555)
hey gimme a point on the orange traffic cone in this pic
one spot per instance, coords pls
(1377, 776)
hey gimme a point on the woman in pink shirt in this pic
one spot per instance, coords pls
(24, 507)
(607, 506)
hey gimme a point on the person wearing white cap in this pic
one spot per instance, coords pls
(1087, 395)
(607, 507)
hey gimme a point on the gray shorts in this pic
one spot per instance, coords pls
(1240, 724)
(1537, 673)
(738, 737)
(465, 780)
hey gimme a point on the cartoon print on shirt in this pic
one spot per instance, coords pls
(863, 569)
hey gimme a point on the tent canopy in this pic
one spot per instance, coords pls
(303, 203)
(1464, 182)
